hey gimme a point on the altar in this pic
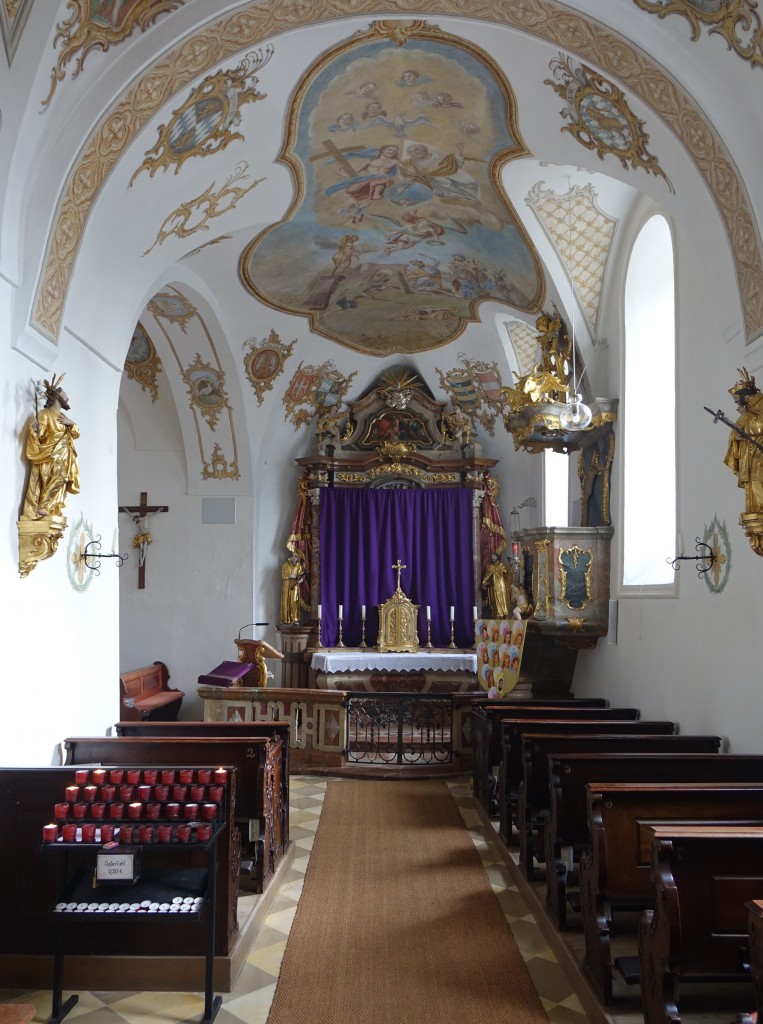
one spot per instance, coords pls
(374, 671)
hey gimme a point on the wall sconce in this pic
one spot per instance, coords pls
(701, 556)
(86, 555)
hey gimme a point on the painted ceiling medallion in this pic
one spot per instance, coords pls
(98, 25)
(206, 390)
(205, 123)
(315, 390)
(174, 307)
(736, 21)
(600, 117)
(400, 226)
(142, 362)
(264, 361)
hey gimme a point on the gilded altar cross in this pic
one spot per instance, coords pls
(398, 566)
(142, 538)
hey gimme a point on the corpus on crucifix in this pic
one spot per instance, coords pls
(142, 538)
(398, 567)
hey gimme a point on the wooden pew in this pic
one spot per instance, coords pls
(29, 886)
(512, 728)
(259, 790)
(702, 876)
(486, 736)
(267, 727)
(614, 872)
(145, 695)
(534, 802)
(569, 774)
(755, 933)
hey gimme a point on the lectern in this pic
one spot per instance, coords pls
(254, 652)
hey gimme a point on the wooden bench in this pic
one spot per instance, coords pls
(569, 774)
(144, 695)
(755, 933)
(30, 886)
(703, 876)
(534, 801)
(486, 736)
(268, 728)
(511, 767)
(614, 872)
(259, 792)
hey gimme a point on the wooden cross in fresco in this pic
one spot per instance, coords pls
(140, 514)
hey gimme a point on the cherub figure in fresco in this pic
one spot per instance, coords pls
(346, 122)
(374, 112)
(345, 254)
(444, 99)
(411, 78)
(366, 90)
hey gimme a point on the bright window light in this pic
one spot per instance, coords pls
(556, 488)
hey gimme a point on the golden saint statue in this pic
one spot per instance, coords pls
(743, 456)
(497, 583)
(292, 574)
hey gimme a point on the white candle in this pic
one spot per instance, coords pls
(429, 613)
(451, 612)
(320, 609)
(474, 612)
(341, 611)
(363, 611)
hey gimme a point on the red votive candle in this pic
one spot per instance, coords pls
(153, 811)
(216, 793)
(61, 811)
(164, 833)
(179, 793)
(161, 793)
(108, 792)
(97, 809)
(79, 810)
(133, 776)
(186, 776)
(50, 833)
(209, 812)
(126, 833)
(204, 833)
(69, 833)
(99, 776)
(221, 775)
(204, 776)
(190, 811)
(116, 810)
(116, 775)
(184, 833)
(90, 793)
(72, 793)
(144, 793)
(197, 792)
(134, 810)
(172, 811)
(81, 776)
(107, 833)
(88, 833)
(126, 793)
(146, 834)
(168, 776)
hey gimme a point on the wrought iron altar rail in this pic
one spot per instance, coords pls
(399, 728)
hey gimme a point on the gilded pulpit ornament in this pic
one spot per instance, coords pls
(397, 620)
(744, 455)
(54, 475)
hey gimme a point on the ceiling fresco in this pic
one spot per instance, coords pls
(400, 227)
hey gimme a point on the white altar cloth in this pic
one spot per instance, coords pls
(366, 660)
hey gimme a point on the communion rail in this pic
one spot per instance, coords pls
(399, 728)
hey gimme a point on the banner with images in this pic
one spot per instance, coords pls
(499, 644)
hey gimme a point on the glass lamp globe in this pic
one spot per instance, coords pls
(576, 415)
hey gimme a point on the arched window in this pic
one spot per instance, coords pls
(648, 411)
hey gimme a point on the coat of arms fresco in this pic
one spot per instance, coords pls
(400, 227)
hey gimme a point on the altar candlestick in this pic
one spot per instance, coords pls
(341, 611)
(429, 613)
(320, 610)
(362, 611)
(452, 609)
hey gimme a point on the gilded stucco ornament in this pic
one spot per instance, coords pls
(736, 21)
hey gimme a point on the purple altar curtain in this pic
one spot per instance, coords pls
(363, 532)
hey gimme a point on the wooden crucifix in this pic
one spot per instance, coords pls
(142, 538)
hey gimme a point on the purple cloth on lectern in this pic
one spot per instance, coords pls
(227, 673)
(363, 532)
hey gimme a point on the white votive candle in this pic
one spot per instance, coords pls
(341, 611)
(363, 611)
(451, 611)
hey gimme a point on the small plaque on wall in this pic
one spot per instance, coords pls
(120, 864)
